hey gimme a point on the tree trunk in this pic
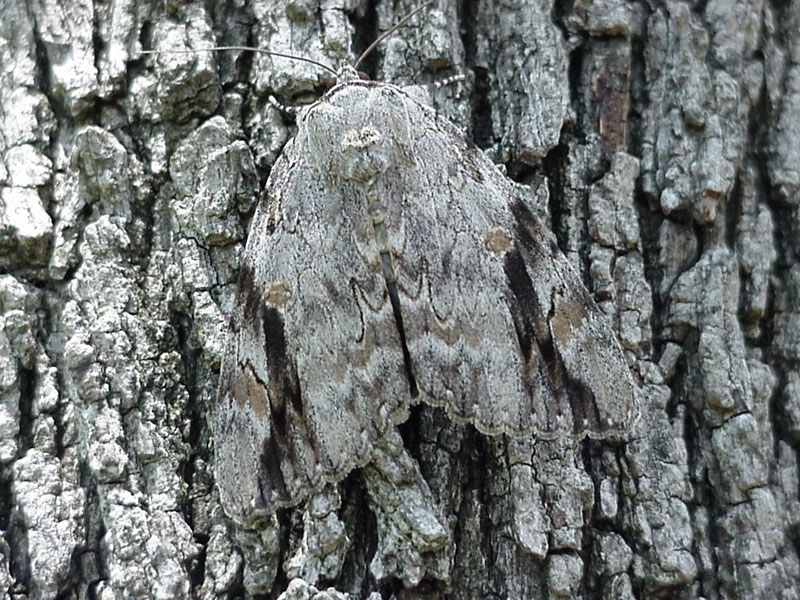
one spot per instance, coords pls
(661, 134)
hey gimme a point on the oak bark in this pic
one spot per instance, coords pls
(665, 136)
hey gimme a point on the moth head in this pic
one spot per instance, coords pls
(347, 73)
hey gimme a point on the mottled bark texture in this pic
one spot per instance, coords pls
(665, 137)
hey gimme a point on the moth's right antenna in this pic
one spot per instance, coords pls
(389, 32)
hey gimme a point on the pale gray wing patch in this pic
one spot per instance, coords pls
(308, 383)
(554, 314)
(461, 334)
(258, 411)
(506, 336)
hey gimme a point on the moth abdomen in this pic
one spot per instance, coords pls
(377, 214)
(413, 390)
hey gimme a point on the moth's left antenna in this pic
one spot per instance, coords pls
(244, 49)
(390, 31)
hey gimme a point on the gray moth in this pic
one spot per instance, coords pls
(391, 262)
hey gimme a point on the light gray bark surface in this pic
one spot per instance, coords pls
(666, 139)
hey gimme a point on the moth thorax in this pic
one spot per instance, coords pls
(362, 156)
(361, 138)
(377, 213)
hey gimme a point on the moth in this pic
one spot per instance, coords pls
(390, 262)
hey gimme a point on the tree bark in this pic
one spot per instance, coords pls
(664, 136)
